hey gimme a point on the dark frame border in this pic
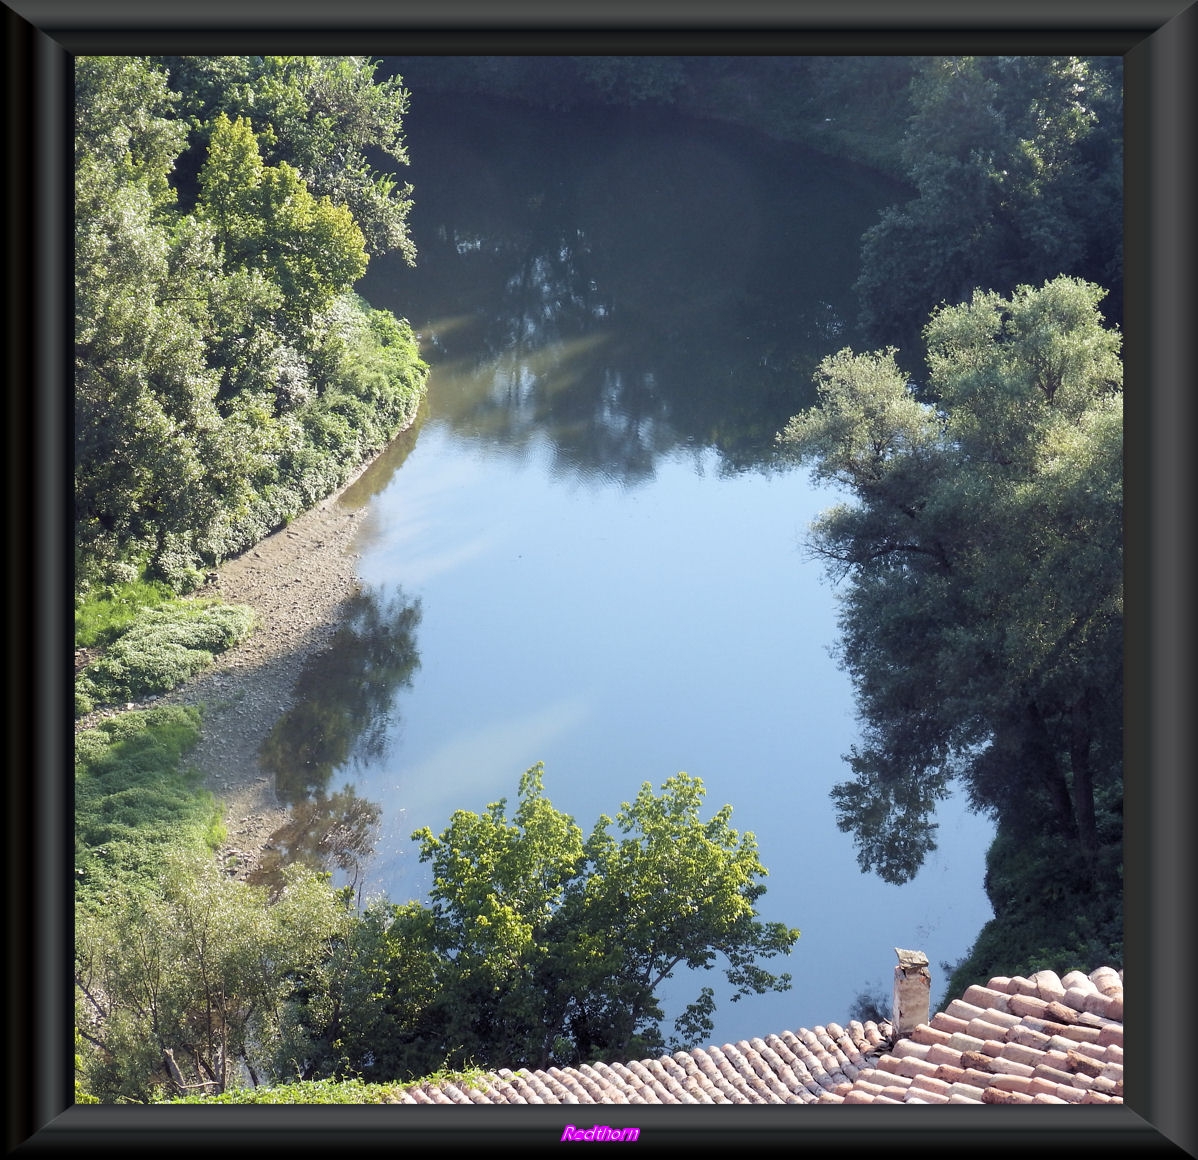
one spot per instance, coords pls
(1157, 39)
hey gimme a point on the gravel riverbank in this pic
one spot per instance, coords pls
(295, 581)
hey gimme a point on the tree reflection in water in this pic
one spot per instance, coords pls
(336, 832)
(342, 710)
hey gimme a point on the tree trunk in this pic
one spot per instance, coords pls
(1043, 754)
(173, 1068)
(1083, 776)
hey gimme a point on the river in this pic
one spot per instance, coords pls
(585, 553)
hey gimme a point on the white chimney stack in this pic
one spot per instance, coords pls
(912, 992)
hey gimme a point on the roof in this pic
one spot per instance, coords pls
(1038, 1040)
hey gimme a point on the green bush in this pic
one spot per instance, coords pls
(326, 1091)
(308, 1092)
(159, 650)
(1052, 910)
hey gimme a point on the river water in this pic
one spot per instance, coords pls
(584, 552)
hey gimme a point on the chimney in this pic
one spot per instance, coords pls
(912, 992)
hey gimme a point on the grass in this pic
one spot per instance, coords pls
(103, 616)
(135, 799)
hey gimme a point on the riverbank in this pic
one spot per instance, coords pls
(295, 581)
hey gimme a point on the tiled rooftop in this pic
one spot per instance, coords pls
(1043, 1040)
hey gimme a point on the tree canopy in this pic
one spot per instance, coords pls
(332, 119)
(538, 946)
(982, 555)
(179, 988)
(535, 946)
(226, 378)
(1017, 167)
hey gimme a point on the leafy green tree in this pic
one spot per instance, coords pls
(144, 397)
(539, 947)
(329, 118)
(674, 891)
(366, 1006)
(183, 990)
(982, 618)
(225, 376)
(1016, 164)
(266, 219)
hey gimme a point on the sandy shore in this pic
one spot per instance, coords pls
(294, 580)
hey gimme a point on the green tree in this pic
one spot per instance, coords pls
(184, 990)
(537, 946)
(145, 420)
(366, 1006)
(982, 618)
(225, 376)
(266, 219)
(330, 118)
(1016, 163)
(674, 891)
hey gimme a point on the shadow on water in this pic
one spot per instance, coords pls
(343, 712)
(625, 287)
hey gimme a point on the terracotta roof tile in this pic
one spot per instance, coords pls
(950, 1025)
(1029, 1036)
(859, 1096)
(949, 1072)
(1048, 985)
(1045, 1039)
(994, 1095)
(931, 1087)
(1012, 1083)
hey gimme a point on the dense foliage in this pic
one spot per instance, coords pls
(537, 946)
(159, 649)
(332, 120)
(982, 614)
(226, 376)
(182, 988)
(1017, 163)
(324, 1091)
(541, 947)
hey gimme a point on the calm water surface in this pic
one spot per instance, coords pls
(584, 554)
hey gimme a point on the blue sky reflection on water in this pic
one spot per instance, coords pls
(620, 634)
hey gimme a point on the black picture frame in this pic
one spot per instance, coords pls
(1156, 39)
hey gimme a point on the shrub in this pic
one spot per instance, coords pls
(161, 649)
